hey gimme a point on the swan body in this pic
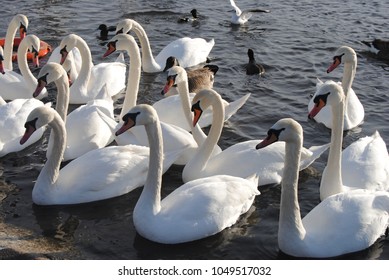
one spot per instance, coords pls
(91, 78)
(364, 164)
(86, 126)
(99, 174)
(341, 224)
(268, 163)
(240, 17)
(252, 67)
(198, 79)
(170, 111)
(16, 86)
(18, 22)
(189, 51)
(193, 211)
(354, 111)
(174, 138)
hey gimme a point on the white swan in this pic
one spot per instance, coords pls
(170, 111)
(87, 127)
(195, 210)
(12, 84)
(91, 78)
(241, 17)
(189, 51)
(341, 224)
(20, 22)
(364, 164)
(354, 111)
(174, 138)
(99, 174)
(240, 159)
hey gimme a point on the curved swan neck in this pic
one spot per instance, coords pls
(148, 62)
(331, 181)
(8, 45)
(150, 199)
(62, 97)
(29, 79)
(291, 229)
(199, 161)
(348, 75)
(85, 71)
(133, 78)
(51, 169)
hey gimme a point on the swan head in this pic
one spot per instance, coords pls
(124, 26)
(176, 75)
(142, 114)
(201, 101)
(49, 73)
(20, 21)
(329, 93)
(67, 44)
(119, 42)
(286, 129)
(1, 61)
(38, 117)
(343, 54)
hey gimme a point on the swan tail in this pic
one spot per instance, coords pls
(234, 106)
(308, 156)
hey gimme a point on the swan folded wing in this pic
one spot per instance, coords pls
(365, 164)
(308, 156)
(206, 206)
(360, 212)
(105, 173)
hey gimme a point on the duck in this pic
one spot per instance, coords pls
(240, 17)
(343, 223)
(97, 175)
(12, 84)
(86, 126)
(354, 112)
(378, 45)
(91, 78)
(174, 137)
(178, 218)
(18, 22)
(198, 79)
(189, 51)
(268, 164)
(194, 17)
(170, 111)
(364, 164)
(104, 31)
(252, 67)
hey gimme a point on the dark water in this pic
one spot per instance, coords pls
(295, 43)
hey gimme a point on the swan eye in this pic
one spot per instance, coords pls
(274, 132)
(23, 28)
(321, 97)
(43, 79)
(31, 123)
(196, 106)
(120, 31)
(338, 58)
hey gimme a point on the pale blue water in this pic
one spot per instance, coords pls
(295, 43)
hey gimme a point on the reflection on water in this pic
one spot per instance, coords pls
(295, 43)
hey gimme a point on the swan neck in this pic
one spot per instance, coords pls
(50, 171)
(290, 224)
(85, 70)
(133, 78)
(348, 76)
(29, 79)
(331, 182)
(148, 61)
(150, 199)
(62, 97)
(8, 45)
